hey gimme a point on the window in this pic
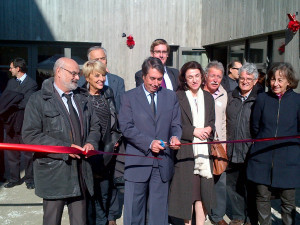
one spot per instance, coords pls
(258, 51)
(278, 49)
(192, 54)
(237, 52)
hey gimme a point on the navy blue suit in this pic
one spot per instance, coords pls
(140, 128)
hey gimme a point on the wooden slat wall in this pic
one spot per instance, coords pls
(235, 19)
(230, 20)
(179, 22)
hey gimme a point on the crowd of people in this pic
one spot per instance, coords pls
(163, 125)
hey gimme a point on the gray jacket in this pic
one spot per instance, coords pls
(238, 124)
(47, 122)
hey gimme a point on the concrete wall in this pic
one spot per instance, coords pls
(230, 20)
(103, 21)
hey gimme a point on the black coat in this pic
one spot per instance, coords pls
(13, 102)
(276, 163)
(10, 115)
(47, 122)
(111, 136)
(238, 124)
(181, 188)
(173, 75)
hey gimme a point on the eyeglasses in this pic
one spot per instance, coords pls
(71, 72)
(160, 52)
(235, 68)
(247, 79)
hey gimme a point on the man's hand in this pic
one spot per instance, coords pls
(174, 143)
(87, 147)
(75, 156)
(156, 147)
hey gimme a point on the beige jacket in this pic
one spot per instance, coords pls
(220, 110)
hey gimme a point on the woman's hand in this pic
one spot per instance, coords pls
(202, 133)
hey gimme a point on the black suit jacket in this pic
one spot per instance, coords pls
(25, 89)
(173, 74)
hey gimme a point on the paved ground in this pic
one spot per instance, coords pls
(20, 206)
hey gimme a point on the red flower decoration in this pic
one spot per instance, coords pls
(281, 49)
(294, 24)
(130, 42)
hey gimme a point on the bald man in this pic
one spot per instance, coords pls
(58, 115)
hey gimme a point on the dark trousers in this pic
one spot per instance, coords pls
(53, 210)
(135, 201)
(116, 203)
(240, 193)
(14, 161)
(219, 211)
(263, 202)
(98, 205)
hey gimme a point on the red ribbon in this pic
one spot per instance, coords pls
(294, 24)
(245, 140)
(60, 149)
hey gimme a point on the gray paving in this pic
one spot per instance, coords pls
(21, 206)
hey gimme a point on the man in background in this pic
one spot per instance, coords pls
(13, 101)
(115, 82)
(160, 49)
(230, 82)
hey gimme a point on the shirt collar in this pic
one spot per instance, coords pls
(244, 98)
(60, 92)
(147, 92)
(22, 78)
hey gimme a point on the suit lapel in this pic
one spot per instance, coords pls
(142, 98)
(185, 106)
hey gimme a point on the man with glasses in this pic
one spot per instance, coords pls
(239, 107)
(13, 102)
(160, 49)
(230, 82)
(59, 115)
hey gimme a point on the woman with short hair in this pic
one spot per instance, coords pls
(102, 99)
(275, 165)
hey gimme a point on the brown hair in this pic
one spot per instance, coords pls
(186, 67)
(159, 42)
(287, 70)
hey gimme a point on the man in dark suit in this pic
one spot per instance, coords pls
(149, 117)
(19, 89)
(60, 115)
(160, 49)
(115, 82)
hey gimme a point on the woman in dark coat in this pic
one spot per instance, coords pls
(192, 184)
(275, 165)
(101, 98)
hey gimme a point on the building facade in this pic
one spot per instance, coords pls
(42, 31)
